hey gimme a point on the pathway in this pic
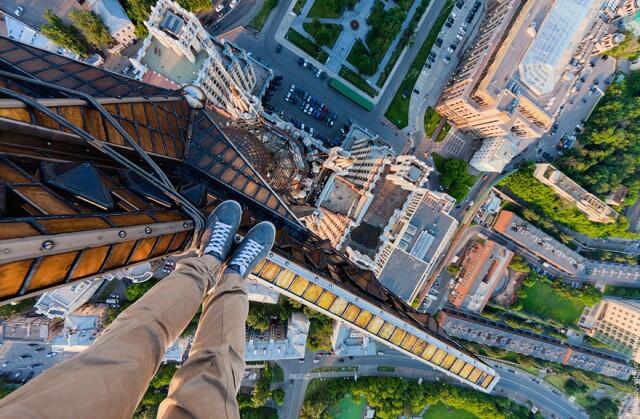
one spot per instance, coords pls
(387, 56)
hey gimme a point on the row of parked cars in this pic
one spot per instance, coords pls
(321, 74)
(310, 105)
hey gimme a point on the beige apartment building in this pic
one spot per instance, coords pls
(593, 207)
(616, 322)
(522, 66)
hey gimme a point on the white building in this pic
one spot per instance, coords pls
(260, 293)
(349, 342)
(81, 329)
(178, 350)
(21, 32)
(121, 29)
(278, 343)
(495, 154)
(63, 301)
(374, 207)
(179, 51)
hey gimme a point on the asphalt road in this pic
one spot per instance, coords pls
(515, 384)
(10, 353)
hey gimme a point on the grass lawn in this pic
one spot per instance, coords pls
(348, 408)
(441, 411)
(327, 31)
(258, 21)
(329, 8)
(545, 302)
(350, 94)
(431, 121)
(299, 40)
(398, 110)
(443, 132)
(355, 79)
(406, 36)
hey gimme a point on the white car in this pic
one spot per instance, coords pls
(18, 11)
(233, 4)
(219, 7)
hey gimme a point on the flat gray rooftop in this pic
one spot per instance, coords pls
(402, 273)
(173, 66)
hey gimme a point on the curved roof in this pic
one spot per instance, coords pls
(555, 43)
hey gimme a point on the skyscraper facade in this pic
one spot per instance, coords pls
(101, 172)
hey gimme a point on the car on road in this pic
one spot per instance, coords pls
(278, 48)
(5, 363)
(316, 360)
(18, 11)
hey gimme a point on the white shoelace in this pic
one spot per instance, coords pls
(248, 253)
(219, 236)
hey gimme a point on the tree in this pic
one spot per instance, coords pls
(92, 27)
(453, 269)
(138, 11)
(604, 409)
(518, 264)
(454, 178)
(278, 396)
(64, 35)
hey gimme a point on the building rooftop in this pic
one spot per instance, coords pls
(484, 265)
(166, 62)
(422, 242)
(112, 14)
(554, 44)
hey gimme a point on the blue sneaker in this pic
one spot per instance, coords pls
(254, 247)
(221, 228)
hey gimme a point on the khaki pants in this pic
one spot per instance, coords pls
(109, 379)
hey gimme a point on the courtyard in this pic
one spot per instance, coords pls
(357, 41)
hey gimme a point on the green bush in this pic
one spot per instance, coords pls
(299, 40)
(431, 121)
(324, 33)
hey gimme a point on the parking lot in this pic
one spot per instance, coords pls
(297, 104)
(21, 361)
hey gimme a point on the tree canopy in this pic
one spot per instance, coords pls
(392, 397)
(454, 177)
(541, 199)
(608, 152)
(92, 27)
(64, 35)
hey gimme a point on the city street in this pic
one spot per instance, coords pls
(34, 363)
(285, 63)
(515, 384)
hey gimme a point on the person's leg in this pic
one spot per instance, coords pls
(109, 378)
(207, 384)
